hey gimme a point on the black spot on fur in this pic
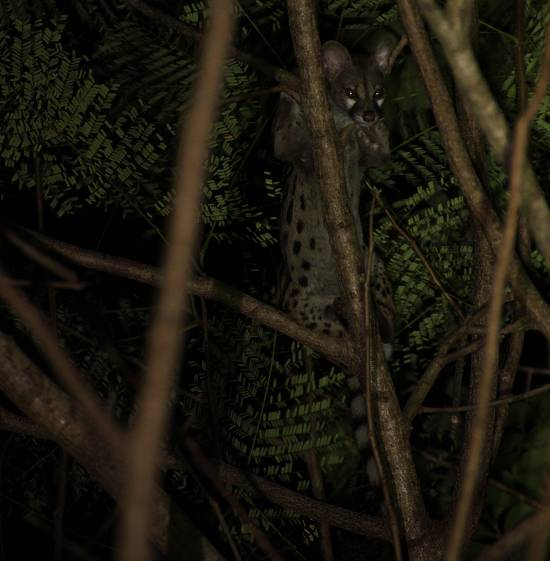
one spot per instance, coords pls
(326, 331)
(294, 292)
(303, 281)
(289, 213)
(311, 325)
(306, 265)
(296, 247)
(312, 243)
(302, 202)
(299, 226)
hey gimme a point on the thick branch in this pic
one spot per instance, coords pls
(476, 91)
(320, 511)
(337, 350)
(165, 341)
(56, 415)
(461, 165)
(331, 181)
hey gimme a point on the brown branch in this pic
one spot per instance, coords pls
(416, 248)
(21, 425)
(337, 350)
(40, 257)
(513, 539)
(467, 15)
(460, 163)
(165, 338)
(491, 119)
(490, 357)
(329, 173)
(58, 417)
(494, 403)
(374, 375)
(208, 470)
(181, 28)
(319, 511)
(62, 366)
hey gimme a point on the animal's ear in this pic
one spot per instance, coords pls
(380, 47)
(336, 58)
(290, 140)
(382, 56)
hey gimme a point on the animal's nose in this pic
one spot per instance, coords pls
(369, 116)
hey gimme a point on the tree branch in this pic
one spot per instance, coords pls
(57, 416)
(490, 357)
(61, 364)
(165, 342)
(337, 350)
(326, 157)
(476, 91)
(271, 71)
(459, 160)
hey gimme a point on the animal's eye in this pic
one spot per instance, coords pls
(350, 93)
(379, 93)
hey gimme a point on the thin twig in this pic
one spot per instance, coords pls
(40, 257)
(181, 28)
(416, 248)
(165, 339)
(494, 403)
(208, 469)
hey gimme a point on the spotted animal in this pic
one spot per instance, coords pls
(313, 295)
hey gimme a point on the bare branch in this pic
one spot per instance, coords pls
(62, 366)
(476, 90)
(181, 28)
(459, 160)
(165, 340)
(337, 350)
(332, 187)
(21, 425)
(40, 257)
(47, 406)
(490, 358)
(494, 403)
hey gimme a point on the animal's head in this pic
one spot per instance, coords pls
(356, 90)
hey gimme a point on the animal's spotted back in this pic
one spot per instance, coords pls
(313, 295)
(356, 93)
